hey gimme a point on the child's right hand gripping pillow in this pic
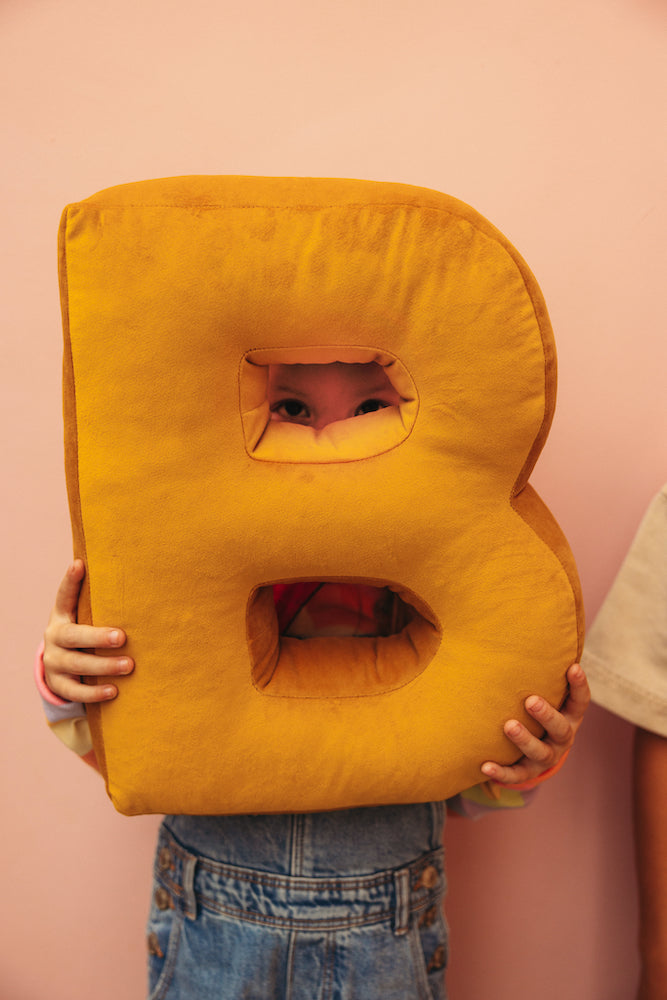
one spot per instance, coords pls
(189, 503)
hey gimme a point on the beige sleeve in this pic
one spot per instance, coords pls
(75, 734)
(625, 655)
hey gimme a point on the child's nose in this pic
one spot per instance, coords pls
(327, 414)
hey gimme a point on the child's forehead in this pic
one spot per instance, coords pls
(353, 375)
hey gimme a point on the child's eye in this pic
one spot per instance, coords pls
(370, 406)
(291, 409)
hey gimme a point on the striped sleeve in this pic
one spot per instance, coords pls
(67, 719)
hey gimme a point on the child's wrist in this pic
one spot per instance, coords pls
(40, 680)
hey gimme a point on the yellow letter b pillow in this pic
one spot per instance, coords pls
(189, 503)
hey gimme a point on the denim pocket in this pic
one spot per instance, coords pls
(163, 932)
(429, 940)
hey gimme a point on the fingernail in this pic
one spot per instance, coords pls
(489, 770)
(114, 638)
(109, 692)
(535, 704)
(512, 728)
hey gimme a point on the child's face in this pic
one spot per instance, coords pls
(317, 395)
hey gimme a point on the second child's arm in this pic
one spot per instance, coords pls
(650, 815)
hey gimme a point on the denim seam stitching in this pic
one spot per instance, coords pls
(302, 882)
(297, 923)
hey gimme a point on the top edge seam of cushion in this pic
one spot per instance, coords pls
(299, 206)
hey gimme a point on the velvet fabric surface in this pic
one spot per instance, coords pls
(188, 503)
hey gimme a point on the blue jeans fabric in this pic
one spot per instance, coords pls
(323, 906)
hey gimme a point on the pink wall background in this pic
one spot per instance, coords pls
(545, 117)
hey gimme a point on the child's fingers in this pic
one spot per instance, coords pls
(81, 664)
(580, 694)
(557, 727)
(67, 653)
(70, 635)
(503, 774)
(530, 746)
(511, 774)
(65, 670)
(64, 631)
(71, 689)
(67, 596)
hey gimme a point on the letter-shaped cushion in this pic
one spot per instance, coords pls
(188, 503)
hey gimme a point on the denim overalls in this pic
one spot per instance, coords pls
(322, 906)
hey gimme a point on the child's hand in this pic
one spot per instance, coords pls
(540, 755)
(65, 661)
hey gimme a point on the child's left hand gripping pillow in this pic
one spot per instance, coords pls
(189, 503)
